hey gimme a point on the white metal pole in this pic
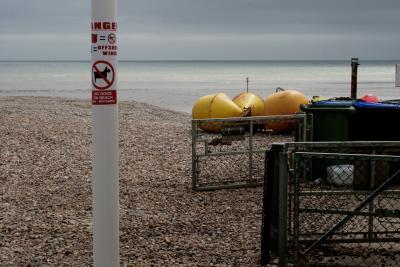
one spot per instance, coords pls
(105, 134)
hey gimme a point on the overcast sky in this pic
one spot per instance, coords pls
(206, 29)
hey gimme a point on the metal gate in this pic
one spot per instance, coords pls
(333, 206)
(352, 218)
(234, 157)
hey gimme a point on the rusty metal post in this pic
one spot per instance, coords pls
(354, 67)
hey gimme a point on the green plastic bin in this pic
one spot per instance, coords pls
(331, 122)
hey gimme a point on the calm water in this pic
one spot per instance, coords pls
(177, 85)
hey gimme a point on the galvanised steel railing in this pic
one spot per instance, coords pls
(234, 157)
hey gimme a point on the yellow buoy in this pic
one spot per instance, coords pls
(251, 104)
(214, 106)
(285, 102)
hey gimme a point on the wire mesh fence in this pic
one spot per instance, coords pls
(338, 205)
(351, 217)
(230, 152)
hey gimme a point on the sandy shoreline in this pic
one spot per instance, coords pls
(45, 191)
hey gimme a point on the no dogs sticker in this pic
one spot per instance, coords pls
(102, 75)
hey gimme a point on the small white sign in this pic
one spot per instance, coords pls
(397, 83)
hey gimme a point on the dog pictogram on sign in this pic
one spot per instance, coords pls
(103, 75)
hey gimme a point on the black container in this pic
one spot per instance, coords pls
(377, 121)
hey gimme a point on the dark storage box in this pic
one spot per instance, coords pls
(377, 121)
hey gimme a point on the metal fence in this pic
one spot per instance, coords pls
(333, 204)
(234, 157)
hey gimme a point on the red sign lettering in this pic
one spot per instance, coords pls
(105, 25)
(108, 97)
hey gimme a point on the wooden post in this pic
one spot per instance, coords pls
(354, 66)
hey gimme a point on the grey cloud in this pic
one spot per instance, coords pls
(260, 16)
(186, 29)
(44, 16)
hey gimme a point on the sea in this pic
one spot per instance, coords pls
(177, 84)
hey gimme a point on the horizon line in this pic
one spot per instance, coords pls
(193, 60)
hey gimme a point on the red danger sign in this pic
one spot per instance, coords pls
(103, 75)
(104, 25)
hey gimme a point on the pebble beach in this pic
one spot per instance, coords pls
(45, 191)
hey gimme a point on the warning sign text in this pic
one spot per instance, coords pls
(108, 97)
(104, 25)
